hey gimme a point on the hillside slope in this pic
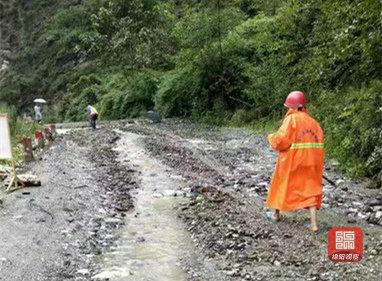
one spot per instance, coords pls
(226, 62)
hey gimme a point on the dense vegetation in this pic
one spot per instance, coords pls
(227, 62)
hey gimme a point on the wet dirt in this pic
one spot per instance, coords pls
(39, 226)
(149, 246)
(154, 244)
(173, 201)
(226, 214)
(54, 232)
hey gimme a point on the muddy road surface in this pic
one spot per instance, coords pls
(173, 201)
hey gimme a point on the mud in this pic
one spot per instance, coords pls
(54, 232)
(154, 244)
(229, 171)
(148, 246)
(173, 201)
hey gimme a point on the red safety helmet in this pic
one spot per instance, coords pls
(295, 99)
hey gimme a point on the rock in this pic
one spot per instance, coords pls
(183, 208)
(83, 271)
(30, 180)
(157, 195)
(233, 272)
(328, 187)
(375, 218)
(374, 202)
(351, 220)
(106, 275)
(357, 204)
(373, 252)
(192, 202)
(112, 221)
(362, 216)
(141, 239)
(339, 182)
(352, 210)
(378, 215)
(237, 265)
(277, 263)
(154, 116)
(248, 277)
(377, 208)
(367, 209)
(114, 139)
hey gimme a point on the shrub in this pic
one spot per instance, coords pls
(140, 97)
(177, 93)
(352, 120)
(126, 96)
(229, 63)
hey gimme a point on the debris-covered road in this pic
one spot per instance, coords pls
(173, 201)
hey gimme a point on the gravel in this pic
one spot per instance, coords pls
(58, 231)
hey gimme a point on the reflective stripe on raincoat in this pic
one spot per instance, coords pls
(297, 180)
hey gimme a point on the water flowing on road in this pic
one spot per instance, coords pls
(153, 238)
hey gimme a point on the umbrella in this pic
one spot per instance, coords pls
(39, 101)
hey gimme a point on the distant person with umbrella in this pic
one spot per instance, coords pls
(38, 109)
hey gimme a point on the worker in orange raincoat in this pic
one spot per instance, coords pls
(297, 180)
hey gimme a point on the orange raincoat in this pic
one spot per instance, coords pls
(297, 180)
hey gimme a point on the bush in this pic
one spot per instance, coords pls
(140, 97)
(131, 98)
(258, 44)
(352, 120)
(177, 93)
(233, 63)
(242, 117)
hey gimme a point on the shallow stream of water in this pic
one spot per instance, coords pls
(153, 238)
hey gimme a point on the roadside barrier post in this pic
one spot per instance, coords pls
(53, 130)
(39, 139)
(48, 134)
(27, 148)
